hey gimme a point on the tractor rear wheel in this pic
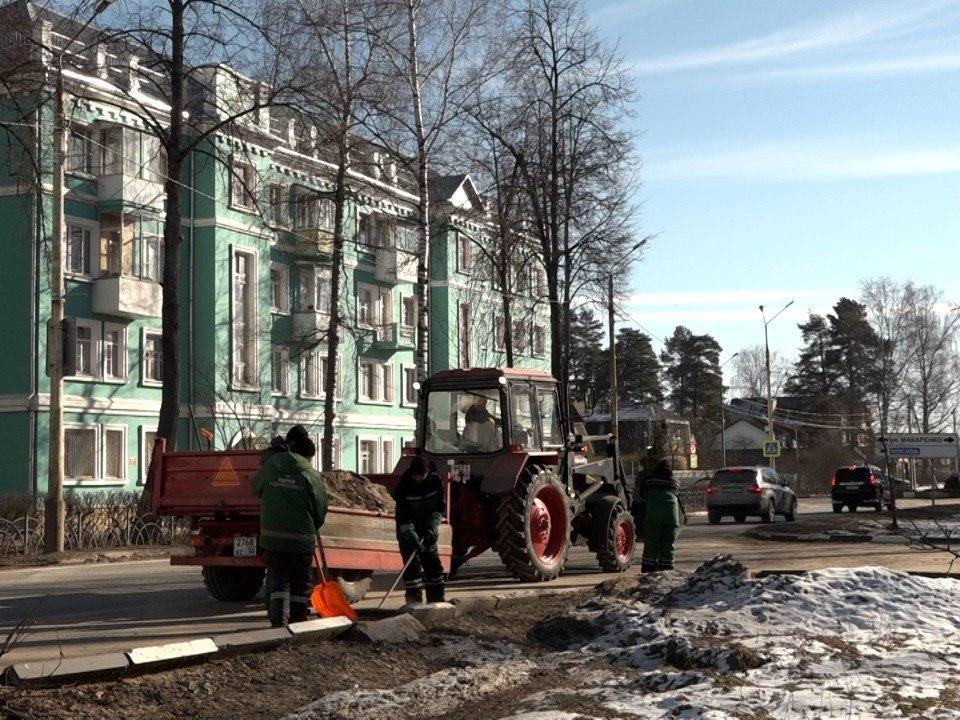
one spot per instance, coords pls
(232, 584)
(533, 527)
(615, 535)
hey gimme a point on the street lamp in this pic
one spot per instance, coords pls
(53, 507)
(723, 423)
(766, 344)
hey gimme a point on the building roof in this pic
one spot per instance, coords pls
(629, 411)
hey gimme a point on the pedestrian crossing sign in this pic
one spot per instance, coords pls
(771, 448)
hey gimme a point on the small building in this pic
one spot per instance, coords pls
(642, 425)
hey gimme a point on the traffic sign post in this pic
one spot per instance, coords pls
(771, 448)
(921, 445)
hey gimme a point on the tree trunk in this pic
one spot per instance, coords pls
(423, 206)
(507, 315)
(170, 313)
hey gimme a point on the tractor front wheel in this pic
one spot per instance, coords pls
(615, 537)
(533, 527)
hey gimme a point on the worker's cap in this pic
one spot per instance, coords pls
(418, 466)
(299, 442)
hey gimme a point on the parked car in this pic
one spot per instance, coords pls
(749, 491)
(856, 485)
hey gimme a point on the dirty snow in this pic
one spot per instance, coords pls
(717, 644)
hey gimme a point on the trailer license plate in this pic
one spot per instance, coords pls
(244, 546)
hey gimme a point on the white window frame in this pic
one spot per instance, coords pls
(320, 360)
(499, 339)
(279, 206)
(376, 457)
(465, 353)
(252, 285)
(311, 277)
(521, 329)
(146, 452)
(464, 253)
(406, 401)
(283, 353)
(542, 350)
(412, 299)
(124, 354)
(385, 443)
(90, 160)
(385, 379)
(305, 358)
(122, 429)
(243, 194)
(280, 305)
(74, 481)
(91, 242)
(146, 333)
(374, 290)
(337, 451)
(95, 358)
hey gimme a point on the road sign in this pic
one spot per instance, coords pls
(921, 445)
(771, 448)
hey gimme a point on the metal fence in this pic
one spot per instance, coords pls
(94, 521)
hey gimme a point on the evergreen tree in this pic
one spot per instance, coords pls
(692, 371)
(638, 370)
(587, 355)
(814, 374)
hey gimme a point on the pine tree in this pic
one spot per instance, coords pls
(638, 370)
(587, 355)
(692, 371)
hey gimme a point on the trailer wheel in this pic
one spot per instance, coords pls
(354, 583)
(615, 536)
(533, 527)
(232, 584)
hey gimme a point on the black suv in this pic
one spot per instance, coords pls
(856, 485)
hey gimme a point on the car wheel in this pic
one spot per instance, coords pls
(740, 518)
(767, 515)
(713, 517)
(837, 508)
(791, 514)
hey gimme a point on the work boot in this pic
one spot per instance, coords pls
(665, 565)
(649, 566)
(434, 593)
(298, 612)
(414, 596)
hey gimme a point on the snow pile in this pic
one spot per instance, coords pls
(858, 643)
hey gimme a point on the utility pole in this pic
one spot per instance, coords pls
(53, 506)
(723, 422)
(766, 345)
(614, 419)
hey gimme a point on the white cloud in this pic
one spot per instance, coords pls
(870, 24)
(804, 161)
(932, 63)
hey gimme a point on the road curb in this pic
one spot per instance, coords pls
(60, 671)
(151, 658)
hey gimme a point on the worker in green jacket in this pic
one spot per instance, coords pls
(293, 505)
(661, 524)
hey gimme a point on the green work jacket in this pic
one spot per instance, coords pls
(293, 502)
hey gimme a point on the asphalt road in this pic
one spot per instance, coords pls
(84, 609)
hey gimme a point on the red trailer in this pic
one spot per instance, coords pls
(213, 490)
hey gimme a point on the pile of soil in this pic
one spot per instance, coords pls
(347, 489)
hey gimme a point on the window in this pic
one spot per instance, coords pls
(114, 454)
(375, 231)
(368, 457)
(374, 305)
(315, 288)
(499, 333)
(78, 249)
(464, 253)
(523, 430)
(80, 453)
(314, 368)
(279, 205)
(80, 151)
(244, 321)
(386, 453)
(243, 180)
(279, 284)
(409, 315)
(115, 352)
(539, 281)
(521, 336)
(152, 256)
(409, 391)
(279, 370)
(464, 331)
(539, 341)
(86, 350)
(374, 381)
(326, 214)
(111, 143)
(111, 252)
(549, 416)
(152, 357)
(316, 460)
(148, 440)
(521, 280)
(463, 421)
(365, 305)
(406, 237)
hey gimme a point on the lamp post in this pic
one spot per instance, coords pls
(723, 422)
(53, 506)
(766, 345)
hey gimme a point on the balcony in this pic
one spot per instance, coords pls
(313, 240)
(310, 325)
(394, 337)
(395, 265)
(127, 296)
(128, 189)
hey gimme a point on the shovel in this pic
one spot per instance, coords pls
(327, 597)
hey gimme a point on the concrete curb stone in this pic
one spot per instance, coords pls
(49, 673)
(244, 641)
(432, 614)
(466, 606)
(396, 629)
(319, 628)
(160, 657)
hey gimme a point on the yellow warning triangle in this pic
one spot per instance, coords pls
(225, 475)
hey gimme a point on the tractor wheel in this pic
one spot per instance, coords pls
(614, 534)
(232, 584)
(533, 527)
(354, 583)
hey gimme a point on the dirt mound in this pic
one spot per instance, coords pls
(347, 489)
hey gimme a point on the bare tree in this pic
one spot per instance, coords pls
(885, 301)
(750, 372)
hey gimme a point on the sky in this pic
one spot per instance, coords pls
(789, 151)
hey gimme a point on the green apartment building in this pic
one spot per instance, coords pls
(257, 221)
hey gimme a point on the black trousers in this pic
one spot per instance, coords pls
(289, 578)
(425, 569)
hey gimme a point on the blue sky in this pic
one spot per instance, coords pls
(790, 150)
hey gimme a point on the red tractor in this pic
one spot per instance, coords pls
(518, 484)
